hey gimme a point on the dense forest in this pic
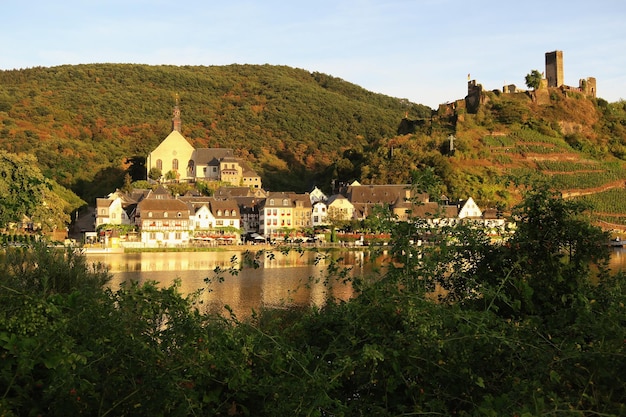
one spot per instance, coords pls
(88, 125)
(84, 122)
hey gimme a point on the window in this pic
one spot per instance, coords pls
(179, 214)
(285, 202)
(112, 215)
(219, 212)
(149, 214)
(214, 169)
(174, 164)
(152, 236)
(233, 213)
(165, 214)
(103, 212)
(178, 236)
(271, 201)
(159, 165)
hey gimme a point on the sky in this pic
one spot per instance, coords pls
(420, 50)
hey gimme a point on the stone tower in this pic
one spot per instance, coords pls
(554, 68)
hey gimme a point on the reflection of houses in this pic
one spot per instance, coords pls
(177, 158)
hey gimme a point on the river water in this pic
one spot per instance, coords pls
(280, 279)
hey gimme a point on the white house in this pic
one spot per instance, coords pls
(163, 222)
(112, 209)
(275, 215)
(319, 214)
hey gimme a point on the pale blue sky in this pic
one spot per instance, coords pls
(421, 50)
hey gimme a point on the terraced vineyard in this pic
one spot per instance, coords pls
(609, 207)
(527, 153)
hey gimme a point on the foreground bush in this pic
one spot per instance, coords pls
(518, 329)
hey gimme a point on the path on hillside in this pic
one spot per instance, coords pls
(596, 190)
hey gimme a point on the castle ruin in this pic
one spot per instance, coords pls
(553, 79)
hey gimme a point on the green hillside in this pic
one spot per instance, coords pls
(298, 129)
(83, 122)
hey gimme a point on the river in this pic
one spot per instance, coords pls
(280, 279)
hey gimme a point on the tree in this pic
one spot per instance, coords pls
(21, 187)
(128, 186)
(380, 220)
(533, 80)
(155, 174)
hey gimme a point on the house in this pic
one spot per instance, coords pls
(398, 197)
(339, 208)
(249, 212)
(319, 214)
(301, 211)
(116, 208)
(214, 218)
(163, 221)
(317, 195)
(275, 215)
(176, 158)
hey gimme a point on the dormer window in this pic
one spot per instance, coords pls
(219, 212)
(149, 214)
(165, 214)
(179, 214)
(285, 202)
(271, 201)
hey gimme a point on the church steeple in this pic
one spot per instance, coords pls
(176, 123)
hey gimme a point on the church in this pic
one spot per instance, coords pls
(177, 156)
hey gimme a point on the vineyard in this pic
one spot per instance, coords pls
(525, 153)
(608, 206)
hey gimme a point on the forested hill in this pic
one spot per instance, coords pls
(299, 129)
(83, 122)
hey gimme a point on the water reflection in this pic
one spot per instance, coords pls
(279, 280)
(618, 260)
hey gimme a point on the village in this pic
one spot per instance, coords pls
(244, 212)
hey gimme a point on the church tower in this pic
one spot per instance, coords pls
(176, 123)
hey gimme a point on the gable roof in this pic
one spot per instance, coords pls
(212, 156)
(176, 140)
(380, 194)
(158, 207)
